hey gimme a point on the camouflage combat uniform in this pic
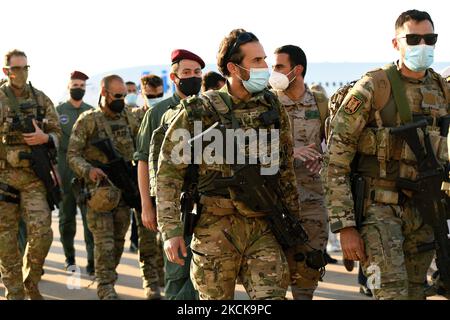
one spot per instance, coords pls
(306, 127)
(150, 250)
(108, 228)
(392, 227)
(178, 284)
(230, 241)
(33, 207)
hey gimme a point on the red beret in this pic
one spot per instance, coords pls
(78, 75)
(180, 54)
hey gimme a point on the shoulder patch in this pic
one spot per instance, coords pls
(353, 105)
(64, 119)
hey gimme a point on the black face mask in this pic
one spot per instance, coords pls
(117, 105)
(77, 93)
(190, 86)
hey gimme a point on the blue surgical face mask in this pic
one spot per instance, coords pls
(419, 58)
(153, 101)
(259, 78)
(131, 99)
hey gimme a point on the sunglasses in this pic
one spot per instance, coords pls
(18, 68)
(413, 39)
(118, 95)
(153, 96)
(243, 38)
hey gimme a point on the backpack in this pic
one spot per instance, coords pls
(322, 104)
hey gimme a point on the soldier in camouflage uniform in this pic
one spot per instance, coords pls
(111, 121)
(307, 111)
(186, 71)
(150, 249)
(230, 240)
(392, 227)
(22, 193)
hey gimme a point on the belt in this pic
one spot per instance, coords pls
(222, 207)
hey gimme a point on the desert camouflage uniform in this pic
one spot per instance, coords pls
(392, 228)
(33, 207)
(230, 241)
(306, 127)
(108, 228)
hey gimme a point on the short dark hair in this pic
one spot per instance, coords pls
(211, 80)
(409, 15)
(227, 51)
(297, 56)
(13, 53)
(106, 81)
(152, 80)
(130, 83)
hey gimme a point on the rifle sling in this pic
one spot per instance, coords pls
(398, 91)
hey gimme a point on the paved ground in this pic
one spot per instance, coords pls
(56, 284)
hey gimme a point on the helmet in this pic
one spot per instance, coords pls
(104, 197)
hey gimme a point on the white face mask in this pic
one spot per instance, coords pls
(280, 81)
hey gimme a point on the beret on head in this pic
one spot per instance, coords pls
(78, 75)
(180, 54)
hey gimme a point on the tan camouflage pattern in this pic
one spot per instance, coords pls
(150, 256)
(156, 143)
(80, 152)
(424, 96)
(305, 122)
(108, 228)
(168, 198)
(219, 245)
(33, 208)
(150, 253)
(391, 235)
(222, 250)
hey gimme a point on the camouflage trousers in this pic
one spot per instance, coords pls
(108, 229)
(226, 248)
(304, 279)
(150, 256)
(391, 234)
(36, 214)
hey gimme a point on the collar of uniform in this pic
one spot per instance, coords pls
(411, 80)
(82, 105)
(176, 99)
(306, 100)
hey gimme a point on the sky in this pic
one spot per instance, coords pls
(95, 36)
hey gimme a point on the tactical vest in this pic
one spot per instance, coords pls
(119, 130)
(155, 146)
(377, 143)
(12, 119)
(215, 106)
(382, 157)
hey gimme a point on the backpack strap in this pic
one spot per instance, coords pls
(382, 89)
(322, 105)
(104, 129)
(222, 108)
(398, 91)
